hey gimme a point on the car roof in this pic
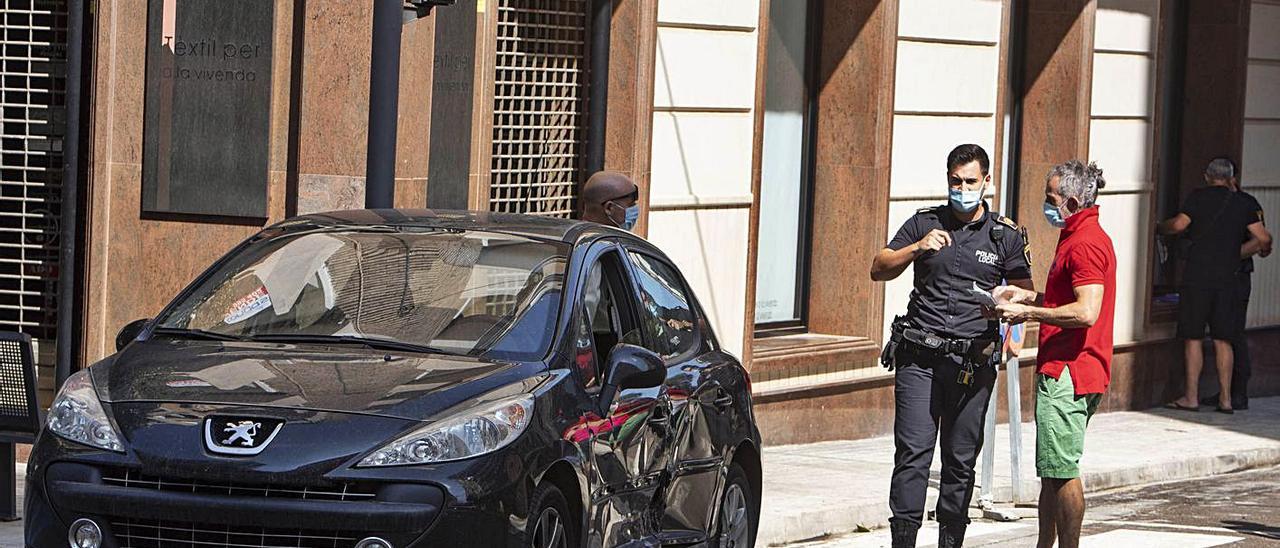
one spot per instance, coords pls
(537, 227)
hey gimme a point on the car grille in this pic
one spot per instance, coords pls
(131, 533)
(339, 492)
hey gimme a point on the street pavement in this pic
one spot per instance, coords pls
(1240, 510)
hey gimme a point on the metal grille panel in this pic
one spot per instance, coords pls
(340, 492)
(539, 106)
(167, 534)
(33, 99)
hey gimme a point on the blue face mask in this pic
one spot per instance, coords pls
(965, 200)
(630, 217)
(1054, 215)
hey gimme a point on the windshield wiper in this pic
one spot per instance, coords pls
(380, 344)
(197, 334)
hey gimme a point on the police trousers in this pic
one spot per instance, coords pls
(929, 401)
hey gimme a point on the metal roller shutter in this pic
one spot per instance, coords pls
(34, 116)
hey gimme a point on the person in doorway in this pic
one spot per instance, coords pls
(611, 198)
(943, 348)
(1241, 368)
(1076, 314)
(1216, 217)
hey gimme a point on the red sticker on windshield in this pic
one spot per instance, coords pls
(247, 306)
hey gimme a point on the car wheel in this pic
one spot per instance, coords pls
(550, 524)
(737, 528)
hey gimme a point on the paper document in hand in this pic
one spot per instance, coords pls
(984, 297)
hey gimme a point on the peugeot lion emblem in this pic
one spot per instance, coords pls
(244, 430)
(239, 435)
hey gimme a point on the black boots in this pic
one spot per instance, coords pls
(951, 535)
(904, 533)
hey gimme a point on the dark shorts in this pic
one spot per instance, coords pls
(1217, 308)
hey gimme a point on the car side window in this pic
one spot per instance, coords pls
(665, 315)
(600, 322)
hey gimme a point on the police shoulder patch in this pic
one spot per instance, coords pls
(1026, 245)
(928, 211)
(1006, 222)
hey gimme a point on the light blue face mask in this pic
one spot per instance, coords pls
(630, 217)
(965, 200)
(1054, 215)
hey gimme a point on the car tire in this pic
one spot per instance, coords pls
(550, 524)
(737, 514)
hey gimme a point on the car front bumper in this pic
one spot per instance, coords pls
(147, 512)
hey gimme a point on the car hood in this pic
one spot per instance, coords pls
(338, 378)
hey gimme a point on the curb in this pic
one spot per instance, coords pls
(826, 521)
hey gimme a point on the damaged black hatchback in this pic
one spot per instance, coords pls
(402, 378)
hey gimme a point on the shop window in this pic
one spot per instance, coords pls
(1172, 175)
(207, 111)
(786, 171)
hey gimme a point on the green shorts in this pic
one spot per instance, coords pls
(1061, 417)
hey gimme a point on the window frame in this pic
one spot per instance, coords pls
(596, 252)
(1167, 193)
(804, 236)
(699, 340)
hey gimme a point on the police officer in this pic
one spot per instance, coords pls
(944, 348)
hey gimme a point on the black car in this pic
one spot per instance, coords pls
(402, 378)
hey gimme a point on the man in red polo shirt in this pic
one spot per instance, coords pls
(1076, 314)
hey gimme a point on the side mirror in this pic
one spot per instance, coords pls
(631, 366)
(129, 332)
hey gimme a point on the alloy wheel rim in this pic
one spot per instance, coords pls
(548, 532)
(735, 530)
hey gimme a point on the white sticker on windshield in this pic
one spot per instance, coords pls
(247, 306)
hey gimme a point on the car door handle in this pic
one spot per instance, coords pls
(723, 400)
(660, 420)
(660, 417)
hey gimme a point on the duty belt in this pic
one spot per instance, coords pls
(937, 343)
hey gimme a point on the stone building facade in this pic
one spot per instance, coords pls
(777, 144)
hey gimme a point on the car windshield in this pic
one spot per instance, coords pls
(462, 292)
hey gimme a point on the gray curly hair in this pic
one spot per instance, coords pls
(1079, 181)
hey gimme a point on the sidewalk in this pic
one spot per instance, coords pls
(835, 487)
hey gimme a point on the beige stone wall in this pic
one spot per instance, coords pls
(1260, 165)
(704, 106)
(1122, 141)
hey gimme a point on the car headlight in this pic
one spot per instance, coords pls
(77, 415)
(474, 431)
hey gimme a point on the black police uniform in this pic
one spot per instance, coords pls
(1241, 369)
(942, 351)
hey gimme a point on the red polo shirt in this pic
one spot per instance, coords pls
(1084, 256)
